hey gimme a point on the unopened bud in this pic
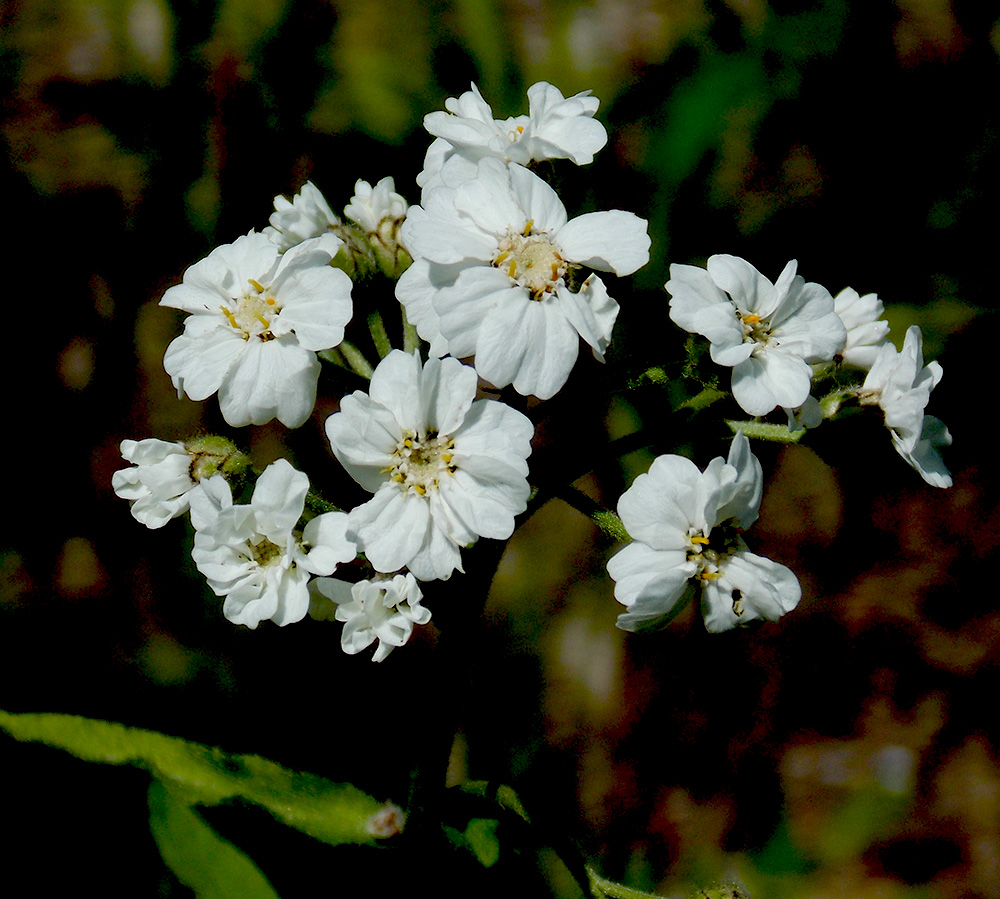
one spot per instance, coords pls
(212, 454)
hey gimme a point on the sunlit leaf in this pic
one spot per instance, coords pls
(201, 859)
(331, 812)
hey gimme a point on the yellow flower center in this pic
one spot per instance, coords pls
(253, 313)
(419, 463)
(531, 261)
(755, 329)
(265, 552)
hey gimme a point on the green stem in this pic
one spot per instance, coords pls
(380, 337)
(602, 888)
(411, 340)
(762, 430)
(608, 522)
(356, 360)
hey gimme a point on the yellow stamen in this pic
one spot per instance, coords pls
(500, 258)
(528, 226)
(512, 269)
(751, 319)
(231, 317)
(702, 540)
(520, 129)
(256, 285)
(555, 272)
(262, 320)
(270, 301)
(421, 489)
(710, 575)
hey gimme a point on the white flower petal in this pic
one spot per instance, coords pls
(270, 379)
(614, 241)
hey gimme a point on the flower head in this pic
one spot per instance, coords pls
(383, 609)
(867, 332)
(163, 474)
(498, 275)
(687, 530)
(768, 333)
(445, 470)
(305, 216)
(556, 127)
(901, 385)
(379, 212)
(257, 319)
(371, 206)
(159, 482)
(255, 556)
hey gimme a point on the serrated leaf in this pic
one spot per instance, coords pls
(201, 859)
(331, 812)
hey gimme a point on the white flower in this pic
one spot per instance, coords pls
(495, 276)
(444, 470)
(768, 333)
(159, 482)
(258, 317)
(370, 206)
(808, 415)
(901, 385)
(252, 554)
(866, 331)
(307, 215)
(686, 526)
(556, 127)
(383, 609)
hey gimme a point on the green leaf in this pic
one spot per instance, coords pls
(201, 859)
(481, 838)
(331, 812)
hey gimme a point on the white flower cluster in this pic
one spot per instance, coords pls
(500, 271)
(502, 285)
(778, 337)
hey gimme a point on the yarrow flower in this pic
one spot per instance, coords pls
(379, 212)
(445, 470)
(497, 275)
(867, 332)
(159, 482)
(255, 556)
(258, 318)
(305, 216)
(687, 530)
(163, 474)
(556, 127)
(768, 333)
(371, 206)
(901, 385)
(383, 609)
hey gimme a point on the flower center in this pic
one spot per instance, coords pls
(710, 551)
(531, 261)
(755, 329)
(253, 313)
(265, 553)
(419, 463)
